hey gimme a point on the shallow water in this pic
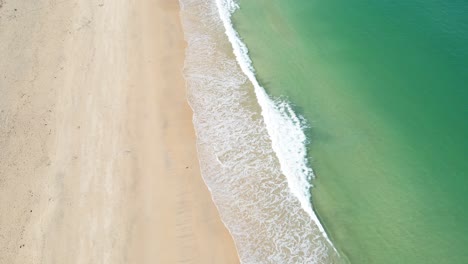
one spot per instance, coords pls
(382, 85)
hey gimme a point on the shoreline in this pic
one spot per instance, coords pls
(99, 146)
(239, 161)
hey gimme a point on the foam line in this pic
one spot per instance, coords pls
(283, 125)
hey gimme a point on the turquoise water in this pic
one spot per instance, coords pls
(383, 85)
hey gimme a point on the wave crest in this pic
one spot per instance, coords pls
(252, 150)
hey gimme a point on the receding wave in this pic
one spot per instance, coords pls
(252, 149)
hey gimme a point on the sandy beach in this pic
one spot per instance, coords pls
(97, 149)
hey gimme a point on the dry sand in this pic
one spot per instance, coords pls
(97, 150)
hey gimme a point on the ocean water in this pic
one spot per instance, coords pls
(339, 135)
(383, 86)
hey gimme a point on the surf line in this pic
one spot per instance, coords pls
(283, 125)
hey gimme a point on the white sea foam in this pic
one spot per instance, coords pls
(284, 126)
(251, 149)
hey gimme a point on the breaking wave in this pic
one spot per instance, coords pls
(252, 149)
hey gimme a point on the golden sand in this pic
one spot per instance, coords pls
(97, 149)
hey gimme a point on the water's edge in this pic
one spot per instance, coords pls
(253, 159)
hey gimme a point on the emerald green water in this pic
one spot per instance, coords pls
(383, 85)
